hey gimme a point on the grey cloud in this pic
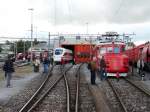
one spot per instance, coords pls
(111, 11)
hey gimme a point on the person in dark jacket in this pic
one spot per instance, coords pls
(92, 67)
(9, 69)
(46, 63)
(103, 73)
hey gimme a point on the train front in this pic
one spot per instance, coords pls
(116, 60)
(116, 64)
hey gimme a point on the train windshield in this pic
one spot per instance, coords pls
(58, 51)
(102, 50)
(110, 49)
(116, 50)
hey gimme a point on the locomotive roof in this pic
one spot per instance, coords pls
(105, 41)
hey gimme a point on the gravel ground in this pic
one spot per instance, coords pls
(100, 101)
(138, 79)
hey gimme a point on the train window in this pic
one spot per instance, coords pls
(109, 49)
(88, 55)
(116, 50)
(102, 50)
(58, 51)
(82, 55)
(78, 54)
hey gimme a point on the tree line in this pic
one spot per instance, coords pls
(20, 46)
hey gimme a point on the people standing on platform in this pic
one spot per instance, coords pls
(140, 65)
(92, 67)
(9, 69)
(103, 73)
(46, 63)
(36, 64)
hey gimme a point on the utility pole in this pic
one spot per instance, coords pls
(90, 39)
(49, 46)
(87, 28)
(24, 47)
(31, 9)
(16, 48)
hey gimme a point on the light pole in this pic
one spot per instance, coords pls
(24, 47)
(49, 55)
(87, 28)
(31, 9)
(90, 39)
(15, 50)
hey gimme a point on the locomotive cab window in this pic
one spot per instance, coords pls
(116, 50)
(102, 50)
(110, 49)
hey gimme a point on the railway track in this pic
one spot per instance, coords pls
(130, 97)
(73, 80)
(80, 98)
(56, 99)
(38, 98)
(36, 95)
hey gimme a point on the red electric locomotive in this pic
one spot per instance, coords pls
(112, 49)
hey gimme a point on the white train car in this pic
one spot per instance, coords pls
(62, 54)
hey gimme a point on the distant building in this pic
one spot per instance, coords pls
(6, 49)
(41, 47)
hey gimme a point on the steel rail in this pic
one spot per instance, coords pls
(67, 88)
(118, 97)
(147, 92)
(30, 101)
(77, 88)
(44, 95)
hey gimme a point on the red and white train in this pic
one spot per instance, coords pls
(116, 61)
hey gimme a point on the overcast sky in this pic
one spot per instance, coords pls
(71, 16)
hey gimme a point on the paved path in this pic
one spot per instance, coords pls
(17, 85)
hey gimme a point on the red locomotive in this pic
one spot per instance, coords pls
(112, 49)
(143, 51)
